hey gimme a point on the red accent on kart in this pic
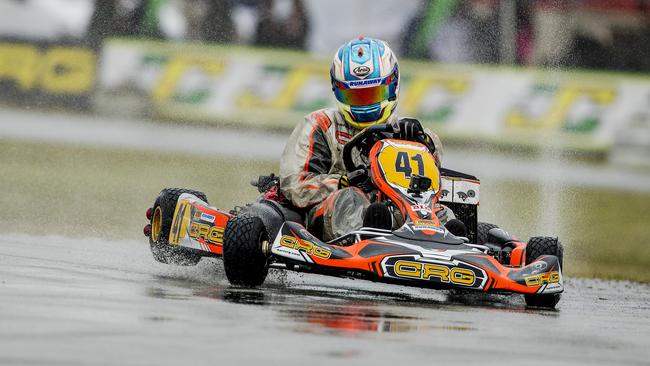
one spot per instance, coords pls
(517, 255)
(149, 213)
(274, 194)
(221, 219)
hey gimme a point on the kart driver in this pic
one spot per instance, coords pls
(365, 81)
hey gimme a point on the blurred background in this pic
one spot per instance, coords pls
(103, 103)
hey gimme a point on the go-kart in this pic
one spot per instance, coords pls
(463, 254)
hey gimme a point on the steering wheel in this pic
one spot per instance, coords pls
(363, 142)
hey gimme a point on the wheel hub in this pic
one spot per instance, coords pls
(156, 224)
(266, 248)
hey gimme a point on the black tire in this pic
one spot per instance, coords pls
(159, 241)
(482, 232)
(536, 247)
(243, 254)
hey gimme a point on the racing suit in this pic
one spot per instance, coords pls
(312, 166)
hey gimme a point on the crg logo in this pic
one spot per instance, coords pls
(542, 279)
(413, 268)
(211, 234)
(304, 245)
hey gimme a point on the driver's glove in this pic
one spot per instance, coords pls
(358, 178)
(409, 129)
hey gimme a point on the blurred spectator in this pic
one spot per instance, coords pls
(334, 22)
(208, 20)
(454, 31)
(601, 34)
(121, 18)
(525, 32)
(413, 41)
(282, 24)
(595, 34)
(217, 24)
(453, 40)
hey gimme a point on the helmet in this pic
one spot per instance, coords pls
(365, 81)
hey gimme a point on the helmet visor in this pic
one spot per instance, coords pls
(365, 92)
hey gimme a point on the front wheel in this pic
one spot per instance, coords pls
(537, 247)
(245, 249)
(161, 223)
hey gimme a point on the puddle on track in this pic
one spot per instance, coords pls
(92, 302)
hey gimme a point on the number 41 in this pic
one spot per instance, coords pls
(403, 164)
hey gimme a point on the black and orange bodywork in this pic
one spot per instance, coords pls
(403, 257)
(420, 253)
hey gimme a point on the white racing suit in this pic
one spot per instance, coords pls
(310, 170)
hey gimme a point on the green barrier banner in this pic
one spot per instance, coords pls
(276, 89)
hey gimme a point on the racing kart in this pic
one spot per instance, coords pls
(463, 254)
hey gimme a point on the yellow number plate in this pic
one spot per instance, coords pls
(399, 161)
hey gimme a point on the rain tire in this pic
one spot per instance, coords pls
(161, 250)
(536, 247)
(482, 230)
(244, 259)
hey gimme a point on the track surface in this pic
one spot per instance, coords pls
(95, 302)
(245, 143)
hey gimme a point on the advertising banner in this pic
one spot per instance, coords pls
(276, 89)
(46, 73)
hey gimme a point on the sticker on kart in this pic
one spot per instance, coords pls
(304, 245)
(191, 222)
(295, 242)
(544, 273)
(423, 269)
(209, 233)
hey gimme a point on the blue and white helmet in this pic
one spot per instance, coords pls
(365, 81)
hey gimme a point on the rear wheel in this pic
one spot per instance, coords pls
(482, 232)
(536, 247)
(161, 223)
(245, 251)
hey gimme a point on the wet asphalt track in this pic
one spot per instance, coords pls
(94, 302)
